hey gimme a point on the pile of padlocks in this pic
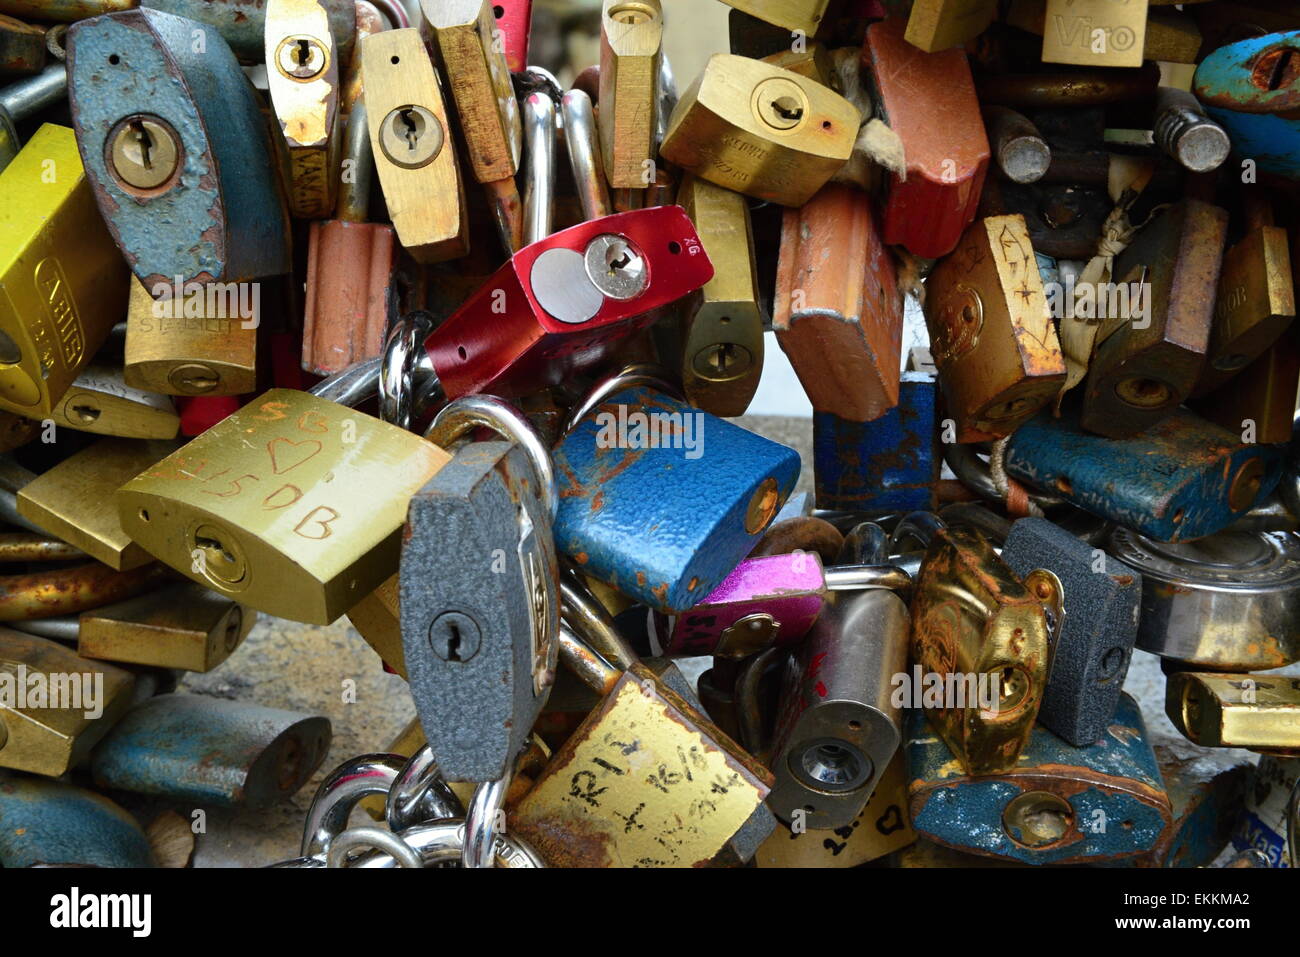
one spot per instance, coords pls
(415, 335)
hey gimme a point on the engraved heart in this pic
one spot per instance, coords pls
(287, 455)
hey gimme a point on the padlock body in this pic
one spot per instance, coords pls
(349, 273)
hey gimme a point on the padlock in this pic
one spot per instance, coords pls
(63, 281)
(73, 500)
(1256, 297)
(55, 705)
(636, 460)
(377, 619)
(1228, 602)
(1179, 480)
(1099, 625)
(303, 76)
(46, 823)
(22, 47)
(1252, 88)
(247, 508)
(813, 61)
(1147, 366)
(1269, 801)
(474, 63)
(1094, 32)
(838, 313)
(934, 25)
(768, 601)
(1184, 132)
(211, 752)
(350, 265)
(244, 30)
(27, 98)
(100, 402)
(992, 337)
(201, 343)
(761, 130)
(412, 145)
(1260, 401)
(720, 337)
(804, 16)
(881, 828)
(561, 304)
(479, 637)
(981, 645)
(1213, 710)
(631, 37)
(838, 724)
(1207, 793)
(1022, 155)
(928, 100)
(514, 23)
(644, 757)
(1056, 805)
(180, 626)
(176, 150)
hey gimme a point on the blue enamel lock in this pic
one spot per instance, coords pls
(1252, 89)
(889, 465)
(1059, 805)
(49, 822)
(662, 500)
(1180, 480)
(176, 149)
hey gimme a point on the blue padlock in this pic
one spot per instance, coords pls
(1058, 805)
(1180, 480)
(661, 500)
(1252, 89)
(889, 465)
(177, 152)
(47, 822)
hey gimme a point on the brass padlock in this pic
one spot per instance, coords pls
(100, 401)
(54, 705)
(722, 329)
(991, 334)
(760, 130)
(1260, 712)
(73, 500)
(61, 275)
(631, 37)
(935, 25)
(302, 75)
(1095, 32)
(377, 618)
(293, 505)
(806, 16)
(179, 626)
(1261, 401)
(203, 342)
(412, 144)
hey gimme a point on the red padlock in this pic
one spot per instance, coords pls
(929, 100)
(515, 21)
(563, 303)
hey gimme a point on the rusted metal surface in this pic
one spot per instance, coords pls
(69, 591)
(22, 47)
(803, 533)
(1207, 791)
(1082, 88)
(29, 547)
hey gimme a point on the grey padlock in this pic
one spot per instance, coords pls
(479, 592)
(1102, 598)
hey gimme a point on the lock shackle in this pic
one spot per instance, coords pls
(469, 412)
(582, 612)
(586, 663)
(665, 98)
(481, 817)
(353, 203)
(368, 835)
(537, 79)
(749, 710)
(442, 842)
(865, 544)
(539, 121)
(639, 374)
(973, 515)
(29, 96)
(341, 791)
(70, 591)
(353, 386)
(32, 547)
(582, 139)
(420, 793)
(920, 526)
(399, 365)
(977, 475)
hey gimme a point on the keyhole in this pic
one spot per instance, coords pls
(1283, 70)
(787, 108)
(85, 413)
(1276, 69)
(453, 642)
(144, 141)
(619, 261)
(723, 357)
(411, 120)
(214, 550)
(302, 53)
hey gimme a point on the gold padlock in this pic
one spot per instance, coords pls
(74, 499)
(62, 279)
(991, 334)
(1261, 402)
(411, 140)
(294, 505)
(935, 25)
(200, 343)
(54, 705)
(759, 130)
(302, 76)
(377, 618)
(806, 16)
(631, 38)
(100, 401)
(1095, 32)
(180, 626)
(722, 328)
(1260, 712)
(813, 61)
